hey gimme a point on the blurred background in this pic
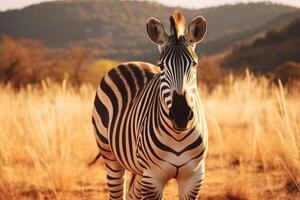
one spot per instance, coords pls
(53, 54)
(80, 39)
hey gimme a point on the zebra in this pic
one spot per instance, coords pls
(149, 120)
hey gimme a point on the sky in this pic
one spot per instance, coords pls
(14, 4)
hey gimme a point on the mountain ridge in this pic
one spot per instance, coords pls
(117, 28)
(266, 52)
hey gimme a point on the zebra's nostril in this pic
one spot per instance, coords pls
(171, 114)
(191, 115)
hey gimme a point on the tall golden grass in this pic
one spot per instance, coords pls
(46, 141)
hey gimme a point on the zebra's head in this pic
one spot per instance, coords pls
(178, 62)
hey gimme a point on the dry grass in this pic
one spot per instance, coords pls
(46, 140)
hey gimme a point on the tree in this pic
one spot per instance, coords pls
(21, 61)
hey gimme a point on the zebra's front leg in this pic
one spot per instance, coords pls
(152, 186)
(189, 184)
(115, 178)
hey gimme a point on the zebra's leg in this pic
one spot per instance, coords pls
(134, 190)
(189, 185)
(114, 170)
(152, 186)
(115, 178)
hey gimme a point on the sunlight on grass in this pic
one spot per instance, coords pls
(46, 140)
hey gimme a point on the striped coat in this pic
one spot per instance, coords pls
(149, 121)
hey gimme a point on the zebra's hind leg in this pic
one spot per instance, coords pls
(134, 189)
(115, 173)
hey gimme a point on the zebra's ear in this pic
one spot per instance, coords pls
(196, 30)
(156, 31)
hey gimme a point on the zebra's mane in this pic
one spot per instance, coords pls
(177, 22)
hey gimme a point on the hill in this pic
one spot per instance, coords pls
(117, 28)
(267, 52)
(239, 36)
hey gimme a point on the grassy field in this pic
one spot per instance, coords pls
(46, 141)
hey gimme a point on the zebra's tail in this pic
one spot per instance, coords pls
(94, 160)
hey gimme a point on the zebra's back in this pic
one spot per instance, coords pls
(115, 95)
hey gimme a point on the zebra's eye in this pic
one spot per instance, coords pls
(194, 64)
(161, 65)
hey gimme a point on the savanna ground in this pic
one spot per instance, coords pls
(46, 141)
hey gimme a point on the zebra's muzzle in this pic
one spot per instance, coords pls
(180, 112)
